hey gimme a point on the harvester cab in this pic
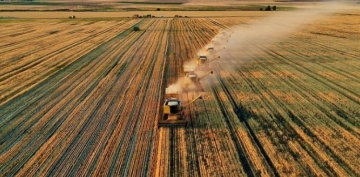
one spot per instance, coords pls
(210, 49)
(173, 111)
(192, 78)
(202, 59)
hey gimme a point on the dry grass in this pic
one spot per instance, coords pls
(80, 97)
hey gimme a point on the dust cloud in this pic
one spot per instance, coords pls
(175, 87)
(249, 40)
(275, 27)
(265, 31)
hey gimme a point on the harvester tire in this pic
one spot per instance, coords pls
(165, 117)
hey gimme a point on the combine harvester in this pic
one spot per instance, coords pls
(202, 59)
(136, 28)
(173, 112)
(210, 49)
(193, 79)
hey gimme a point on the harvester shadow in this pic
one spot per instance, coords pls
(227, 125)
(228, 111)
(224, 120)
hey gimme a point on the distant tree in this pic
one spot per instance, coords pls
(158, 9)
(274, 8)
(268, 8)
(261, 9)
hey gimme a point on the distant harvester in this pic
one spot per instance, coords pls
(136, 28)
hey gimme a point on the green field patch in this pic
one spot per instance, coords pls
(14, 20)
(7, 17)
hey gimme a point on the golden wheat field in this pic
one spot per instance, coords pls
(82, 97)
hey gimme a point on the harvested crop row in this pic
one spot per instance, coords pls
(43, 38)
(11, 114)
(330, 100)
(111, 113)
(178, 51)
(19, 33)
(253, 156)
(86, 101)
(8, 114)
(342, 129)
(32, 70)
(223, 141)
(199, 163)
(208, 118)
(96, 88)
(120, 161)
(268, 86)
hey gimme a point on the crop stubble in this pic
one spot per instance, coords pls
(82, 98)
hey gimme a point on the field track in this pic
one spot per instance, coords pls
(82, 98)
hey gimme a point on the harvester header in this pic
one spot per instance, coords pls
(173, 111)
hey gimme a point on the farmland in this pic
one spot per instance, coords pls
(82, 98)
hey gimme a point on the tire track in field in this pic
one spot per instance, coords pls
(173, 70)
(340, 71)
(189, 38)
(176, 69)
(328, 46)
(159, 150)
(291, 46)
(318, 105)
(17, 90)
(22, 29)
(127, 76)
(113, 164)
(14, 114)
(238, 111)
(281, 117)
(195, 33)
(151, 83)
(63, 69)
(47, 43)
(124, 89)
(174, 63)
(239, 146)
(69, 66)
(218, 140)
(346, 92)
(276, 115)
(33, 63)
(300, 86)
(351, 95)
(194, 165)
(35, 36)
